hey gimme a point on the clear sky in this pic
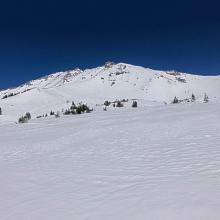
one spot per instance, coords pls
(45, 36)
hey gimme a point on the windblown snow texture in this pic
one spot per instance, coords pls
(156, 162)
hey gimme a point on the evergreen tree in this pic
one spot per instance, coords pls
(119, 104)
(0, 111)
(23, 119)
(107, 103)
(134, 104)
(67, 112)
(28, 115)
(206, 98)
(175, 100)
(193, 98)
(82, 108)
(73, 107)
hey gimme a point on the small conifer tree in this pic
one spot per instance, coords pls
(28, 115)
(23, 119)
(107, 103)
(175, 100)
(206, 98)
(119, 104)
(134, 104)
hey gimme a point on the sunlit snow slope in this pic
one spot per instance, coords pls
(149, 163)
(108, 82)
(154, 162)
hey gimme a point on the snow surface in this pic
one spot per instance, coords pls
(94, 86)
(156, 162)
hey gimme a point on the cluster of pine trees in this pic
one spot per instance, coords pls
(77, 109)
(192, 99)
(134, 104)
(14, 94)
(119, 104)
(74, 109)
(83, 108)
(25, 118)
(9, 95)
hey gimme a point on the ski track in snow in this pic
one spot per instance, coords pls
(156, 163)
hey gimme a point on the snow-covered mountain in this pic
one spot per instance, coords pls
(108, 82)
(156, 161)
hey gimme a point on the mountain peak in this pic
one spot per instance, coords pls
(110, 82)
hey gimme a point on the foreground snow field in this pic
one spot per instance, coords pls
(150, 163)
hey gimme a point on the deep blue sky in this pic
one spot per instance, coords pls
(40, 37)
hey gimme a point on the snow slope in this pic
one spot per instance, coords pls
(108, 82)
(156, 162)
(150, 163)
